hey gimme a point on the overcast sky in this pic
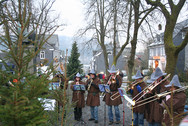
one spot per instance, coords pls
(71, 14)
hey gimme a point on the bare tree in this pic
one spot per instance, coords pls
(140, 15)
(106, 17)
(23, 28)
(171, 11)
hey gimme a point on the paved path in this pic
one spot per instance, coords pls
(101, 110)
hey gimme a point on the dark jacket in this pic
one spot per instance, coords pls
(154, 111)
(178, 103)
(136, 91)
(113, 90)
(78, 96)
(93, 93)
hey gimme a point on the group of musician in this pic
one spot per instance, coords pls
(164, 109)
(156, 112)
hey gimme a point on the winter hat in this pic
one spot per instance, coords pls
(138, 75)
(78, 75)
(158, 73)
(151, 80)
(175, 81)
(92, 72)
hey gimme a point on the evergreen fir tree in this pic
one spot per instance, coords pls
(74, 65)
(20, 91)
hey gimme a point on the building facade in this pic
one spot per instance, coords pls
(98, 64)
(157, 55)
(50, 52)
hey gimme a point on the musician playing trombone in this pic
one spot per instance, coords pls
(114, 81)
(154, 112)
(93, 95)
(139, 85)
(78, 97)
(177, 101)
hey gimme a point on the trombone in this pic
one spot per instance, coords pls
(116, 95)
(108, 91)
(150, 88)
(157, 96)
(103, 93)
(135, 83)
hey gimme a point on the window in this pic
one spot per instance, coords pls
(154, 52)
(183, 35)
(150, 52)
(163, 51)
(158, 51)
(42, 54)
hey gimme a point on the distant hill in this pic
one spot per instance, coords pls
(65, 42)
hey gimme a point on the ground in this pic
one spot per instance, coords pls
(127, 116)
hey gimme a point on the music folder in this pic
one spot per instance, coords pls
(79, 87)
(54, 85)
(122, 92)
(104, 87)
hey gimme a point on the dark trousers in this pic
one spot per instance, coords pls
(77, 113)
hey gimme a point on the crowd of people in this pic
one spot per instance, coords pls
(163, 110)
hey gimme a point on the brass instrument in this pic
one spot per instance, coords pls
(89, 86)
(135, 83)
(127, 82)
(103, 93)
(117, 95)
(150, 88)
(157, 96)
(113, 81)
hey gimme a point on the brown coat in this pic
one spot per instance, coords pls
(154, 111)
(140, 109)
(78, 96)
(179, 100)
(113, 89)
(93, 93)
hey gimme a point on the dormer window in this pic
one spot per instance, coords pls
(42, 54)
(109, 52)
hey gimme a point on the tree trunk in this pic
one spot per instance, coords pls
(105, 58)
(171, 61)
(171, 17)
(134, 40)
(170, 49)
(132, 57)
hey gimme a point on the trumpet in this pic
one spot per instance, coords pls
(157, 96)
(91, 80)
(150, 88)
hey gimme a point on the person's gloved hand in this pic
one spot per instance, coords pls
(168, 97)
